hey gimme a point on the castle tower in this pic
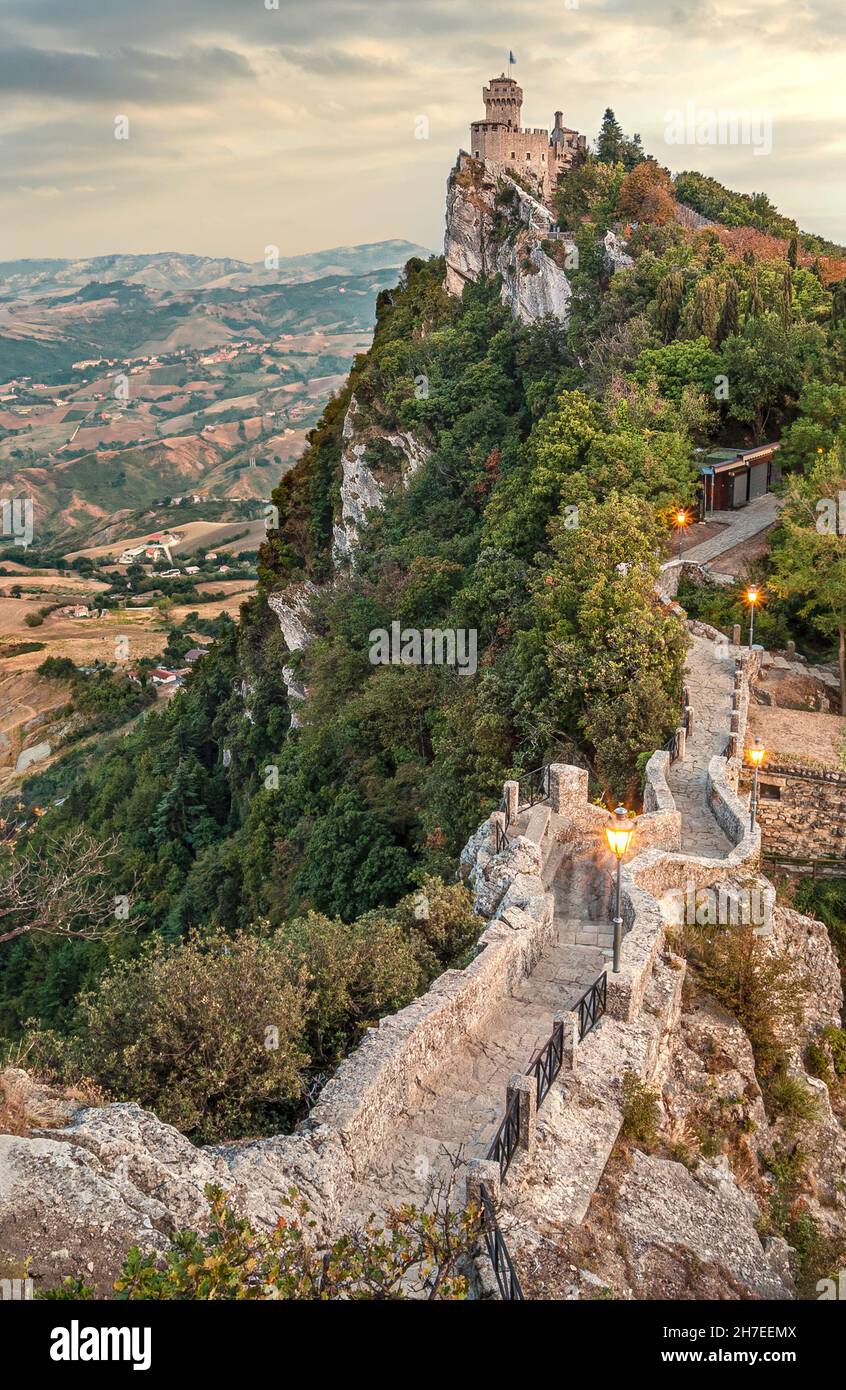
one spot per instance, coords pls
(503, 101)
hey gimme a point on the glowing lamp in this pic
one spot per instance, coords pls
(757, 753)
(619, 831)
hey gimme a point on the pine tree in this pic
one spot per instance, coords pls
(755, 307)
(705, 314)
(730, 315)
(669, 295)
(611, 141)
(786, 297)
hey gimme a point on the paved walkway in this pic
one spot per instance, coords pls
(710, 680)
(462, 1111)
(739, 526)
(456, 1117)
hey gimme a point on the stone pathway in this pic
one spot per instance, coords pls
(455, 1117)
(710, 680)
(739, 526)
(461, 1112)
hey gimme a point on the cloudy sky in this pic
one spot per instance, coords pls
(282, 122)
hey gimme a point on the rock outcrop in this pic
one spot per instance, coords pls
(291, 607)
(486, 237)
(363, 486)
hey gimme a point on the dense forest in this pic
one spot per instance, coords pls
(263, 863)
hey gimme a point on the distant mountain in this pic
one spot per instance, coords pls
(174, 271)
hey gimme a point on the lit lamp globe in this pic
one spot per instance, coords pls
(756, 755)
(682, 520)
(619, 831)
(753, 596)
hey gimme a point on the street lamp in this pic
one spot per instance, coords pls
(682, 520)
(618, 833)
(756, 754)
(753, 596)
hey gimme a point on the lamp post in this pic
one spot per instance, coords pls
(618, 833)
(753, 595)
(682, 520)
(757, 754)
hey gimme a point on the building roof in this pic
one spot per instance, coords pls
(718, 460)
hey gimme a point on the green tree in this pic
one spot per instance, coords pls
(610, 143)
(809, 559)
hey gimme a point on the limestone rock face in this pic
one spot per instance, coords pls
(469, 241)
(291, 608)
(75, 1198)
(662, 1205)
(361, 489)
(616, 258)
(518, 868)
(533, 285)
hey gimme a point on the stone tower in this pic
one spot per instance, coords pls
(503, 102)
(532, 153)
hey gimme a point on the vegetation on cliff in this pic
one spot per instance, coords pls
(538, 520)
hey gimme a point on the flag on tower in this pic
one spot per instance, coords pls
(511, 58)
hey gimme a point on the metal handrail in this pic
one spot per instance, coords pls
(547, 1064)
(503, 1266)
(592, 1005)
(536, 785)
(507, 1138)
(672, 747)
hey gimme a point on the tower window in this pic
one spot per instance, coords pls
(528, 156)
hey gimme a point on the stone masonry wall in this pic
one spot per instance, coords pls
(802, 811)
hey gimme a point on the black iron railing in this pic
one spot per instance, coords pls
(507, 1138)
(547, 1064)
(500, 837)
(533, 787)
(591, 1006)
(503, 1268)
(672, 746)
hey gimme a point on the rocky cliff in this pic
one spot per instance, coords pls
(363, 483)
(493, 226)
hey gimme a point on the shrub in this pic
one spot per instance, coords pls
(641, 1111)
(835, 1039)
(353, 972)
(789, 1096)
(415, 1253)
(33, 619)
(441, 915)
(735, 967)
(207, 1034)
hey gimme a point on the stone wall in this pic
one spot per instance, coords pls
(801, 810)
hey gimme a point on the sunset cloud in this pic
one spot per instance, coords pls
(296, 126)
